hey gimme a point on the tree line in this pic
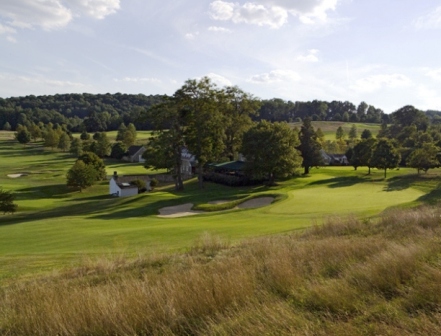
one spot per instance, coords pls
(106, 112)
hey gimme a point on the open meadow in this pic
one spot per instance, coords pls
(56, 226)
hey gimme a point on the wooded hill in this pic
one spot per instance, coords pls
(106, 112)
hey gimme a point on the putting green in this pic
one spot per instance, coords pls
(362, 198)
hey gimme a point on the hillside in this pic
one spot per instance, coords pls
(348, 277)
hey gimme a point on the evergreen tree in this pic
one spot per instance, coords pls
(353, 133)
(366, 134)
(7, 126)
(309, 146)
(7, 204)
(23, 136)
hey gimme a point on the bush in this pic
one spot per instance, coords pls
(154, 183)
(142, 187)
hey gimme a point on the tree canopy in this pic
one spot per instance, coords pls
(270, 151)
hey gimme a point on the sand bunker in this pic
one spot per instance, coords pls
(184, 210)
(256, 203)
(16, 175)
(178, 211)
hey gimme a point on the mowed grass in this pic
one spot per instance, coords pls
(329, 128)
(56, 226)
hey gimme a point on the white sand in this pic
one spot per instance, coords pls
(256, 203)
(184, 210)
(178, 211)
(16, 175)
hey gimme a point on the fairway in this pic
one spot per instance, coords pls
(58, 227)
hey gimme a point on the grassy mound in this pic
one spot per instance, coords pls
(348, 276)
(228, 205)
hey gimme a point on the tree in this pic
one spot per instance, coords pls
(366, 134)
(51, 138)
(7, 204)
(35, 131)
(7, 126)
(353, 132)
(121, 130)
(320, 135)
(76, 147)
(238, 107)
(64, 142)
(340, 133)
(270, 150)
(309, 146)
(102, 144)
(91, 159)
(385, 155)
(81, 175)
(204, 133)
(23, 136)
(362, 153)
(424, 158)
(85, 136)
(118, 150)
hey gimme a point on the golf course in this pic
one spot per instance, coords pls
(56, 226)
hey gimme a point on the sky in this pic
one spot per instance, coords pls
(386, 53)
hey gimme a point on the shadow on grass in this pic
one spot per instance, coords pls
(398, 183)
(48, 191)
(431, 198)
(340, 182)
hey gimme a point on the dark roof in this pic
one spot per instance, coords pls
(126, 179)
(231, 165)
(133, 150)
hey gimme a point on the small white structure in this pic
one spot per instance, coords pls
(122, 186)
(188, 161)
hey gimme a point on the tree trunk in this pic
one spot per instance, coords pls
(385, 172)
(306, 171)
(200, 175)
(369, 170)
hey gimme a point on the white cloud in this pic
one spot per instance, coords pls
(273, 13)
(6, 30)
(376, 82)
(251, 13)
(429, 21)
(52, 14)
(138, 80)
(219, 80)
(97, 9)
(275, 76)
(310, 57)
(434, 74)
(191, 36)
(11, 39)
(219, 29)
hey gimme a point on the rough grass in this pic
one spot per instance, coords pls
(348, 276)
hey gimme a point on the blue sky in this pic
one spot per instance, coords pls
(387, 53)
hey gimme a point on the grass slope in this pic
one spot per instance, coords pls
(55, 225)
(329, 128)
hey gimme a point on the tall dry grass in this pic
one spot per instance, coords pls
(346, 277)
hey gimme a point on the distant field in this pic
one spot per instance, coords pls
(141, 136)
(56, 226)
(329, 128)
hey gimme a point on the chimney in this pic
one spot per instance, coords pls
(115, 175)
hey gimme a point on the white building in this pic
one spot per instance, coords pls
(123, 186)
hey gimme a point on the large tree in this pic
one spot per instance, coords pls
(424, 158)
(385, 155)
(237, 108)
(165, 147)
(309, 146)
(270, 151)
(91, 159)
(7, 204)
(199, 100)
(362, 153)
(81, 175)
(23, 136)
